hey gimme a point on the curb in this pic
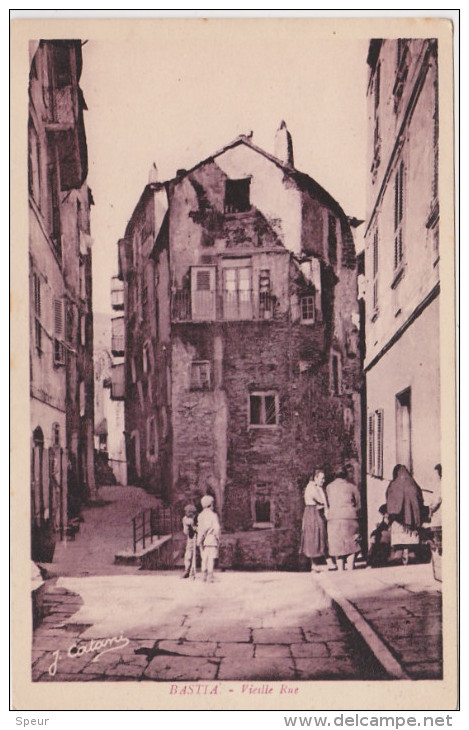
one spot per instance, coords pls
(361, 625)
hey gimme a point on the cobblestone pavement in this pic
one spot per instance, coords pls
(403, 606)
(249, 626)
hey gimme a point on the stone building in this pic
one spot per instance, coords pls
(61, 323)
(402, 267)
(110, 454)
(241, 343)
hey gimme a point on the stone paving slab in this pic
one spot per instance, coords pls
(165, 669)
(261, 669)
(266, 651)
(189, 648)
(343, 668)
(277, 636)
(239, 651)
(309, 650)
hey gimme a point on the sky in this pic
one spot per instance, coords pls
(174, 92)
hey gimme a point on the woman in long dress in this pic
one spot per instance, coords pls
(343, 531)
(406, 509)
(314, 530)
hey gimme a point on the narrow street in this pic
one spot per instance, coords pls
(247, 625)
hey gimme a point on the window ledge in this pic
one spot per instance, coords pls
(263, 526)
(398, 275)
(307, 321)
(269, 426)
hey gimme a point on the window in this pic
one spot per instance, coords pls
(332, 240)
(308, 308)
(59, 352)
(398, 216)
(147, 358)
(82, 280)
(375, 254)
(133, 370)
(54, 202)
(375, 443)
(403, 429)
(203, 293)
(237, 196)
(265, 296)
(402, 70)
(336, 374)
(34, 166)
(62, 66)
(263, 408)
(200, 375)
(69, 323)
(83, 329)
(262, 508)
(237, 294)
(134, 455)
(55, 434)
(37, 312)
(377, 86)
(81, 395)
(152, 439)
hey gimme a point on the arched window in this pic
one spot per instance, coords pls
(38, 436)
(55, 434)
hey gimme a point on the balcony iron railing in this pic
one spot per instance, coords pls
(233, 305)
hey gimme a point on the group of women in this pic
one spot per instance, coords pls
(330, 527)
(330, 531)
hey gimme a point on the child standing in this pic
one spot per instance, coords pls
(208, 536)
(190, 530)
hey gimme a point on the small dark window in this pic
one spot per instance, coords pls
(262, 508)
(62, 66)
(56, 434)
(335, 374)
(237, 196)
(308, 309)
(200, 375)
(263, 409)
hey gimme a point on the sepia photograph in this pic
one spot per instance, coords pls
(236, 331)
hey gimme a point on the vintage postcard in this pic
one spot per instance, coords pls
(233, 364)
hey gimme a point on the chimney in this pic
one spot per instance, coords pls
(153, 174)
(284, 145)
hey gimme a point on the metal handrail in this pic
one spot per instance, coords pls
(148, 523)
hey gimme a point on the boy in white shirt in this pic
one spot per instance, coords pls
(208, 536)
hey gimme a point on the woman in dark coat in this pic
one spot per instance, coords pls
(343, 532)
(406, 510)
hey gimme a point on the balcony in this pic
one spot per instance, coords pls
(117, 294)
(118, 345)
(236, 305)
(118, 382)
(117, 337)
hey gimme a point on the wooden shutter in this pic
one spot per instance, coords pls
(58, 318)
(379, 418)
(370, 443)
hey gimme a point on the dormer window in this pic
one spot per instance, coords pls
(237, 196)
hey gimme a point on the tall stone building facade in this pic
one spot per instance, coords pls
(241, 343)
(61, 320)
(402, 267)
